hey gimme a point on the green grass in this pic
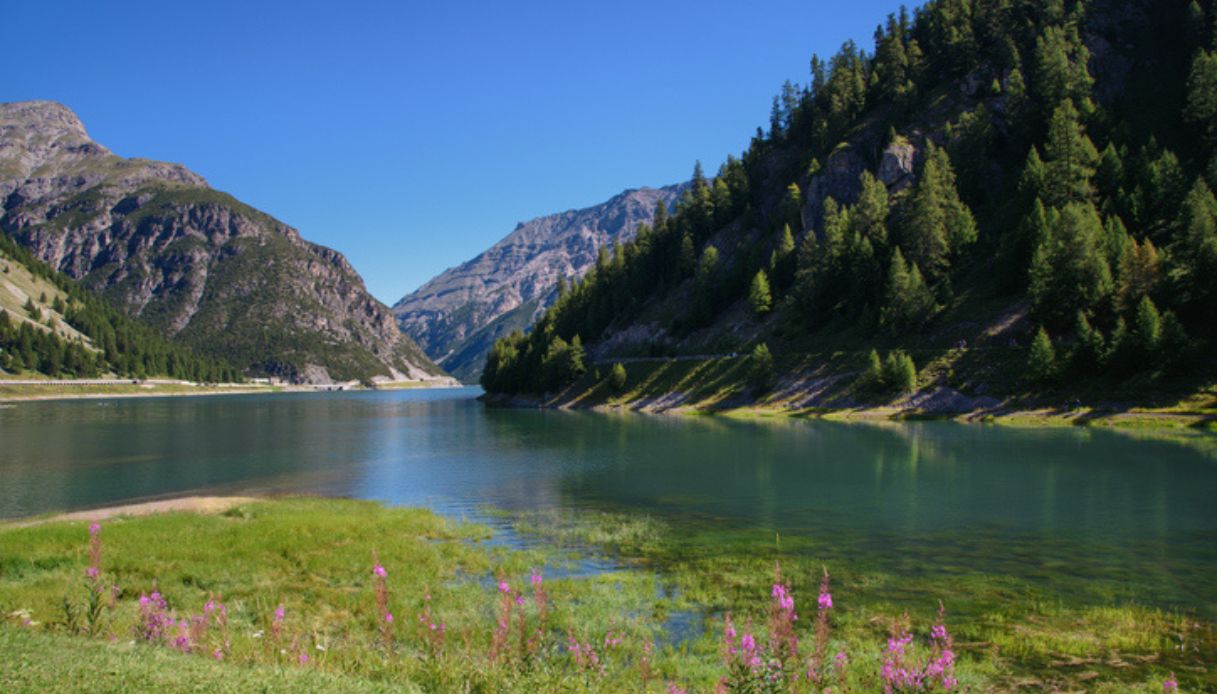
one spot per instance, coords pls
(313, 556)
(47, 662)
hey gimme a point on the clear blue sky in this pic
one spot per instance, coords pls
(411, 136)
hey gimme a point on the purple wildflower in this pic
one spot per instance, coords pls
(825, 601)
(1170, 685)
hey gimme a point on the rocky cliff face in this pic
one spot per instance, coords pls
(198, 264)
(457, 315)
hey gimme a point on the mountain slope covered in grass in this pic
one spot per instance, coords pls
(203, 268)
(1003, 200)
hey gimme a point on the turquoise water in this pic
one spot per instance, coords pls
(1086, 515)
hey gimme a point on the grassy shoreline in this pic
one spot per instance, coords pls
(66, 390)
(313, 558)
(827, 389)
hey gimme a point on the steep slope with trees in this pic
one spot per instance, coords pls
(1014, 194)
(51, 326)
(202, 268)
(457, 316)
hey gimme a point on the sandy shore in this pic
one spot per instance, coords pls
(195, 504)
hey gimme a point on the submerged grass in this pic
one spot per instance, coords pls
(287, 594)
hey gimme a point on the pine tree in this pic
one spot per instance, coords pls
(868, 216)
(1193, 258)
(1070, 159)
(899, 372)
(686, 260)
(759, 297)
(1070, 271)
(1139, 273)
(872, 377)
(1041, 358)
(938, 224)
(618, 378)
(1109, 177)
(1089, 349)
(1061, 72)
(1201, 106)
(908, 303)
(1147, 328)
(760, 368)
(792, 206)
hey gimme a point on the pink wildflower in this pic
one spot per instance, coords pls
(1170, 685)
(389, 617)
(302, 658)
(504, 587)
(825, 601)
(380, 571)
(217, 654)
(535, 579)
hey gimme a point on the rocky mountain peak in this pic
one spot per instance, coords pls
(49, 119)
(456, 315)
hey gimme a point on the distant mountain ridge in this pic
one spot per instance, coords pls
(456, 316)
(202, 267)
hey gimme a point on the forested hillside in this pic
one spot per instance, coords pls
(49, 325)
(1013, 186)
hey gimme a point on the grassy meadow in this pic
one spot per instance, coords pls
(335, 595)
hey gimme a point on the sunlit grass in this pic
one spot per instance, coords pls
(313, 557)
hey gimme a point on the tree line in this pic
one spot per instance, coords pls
(117, 344)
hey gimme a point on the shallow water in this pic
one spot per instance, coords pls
(1078, 515)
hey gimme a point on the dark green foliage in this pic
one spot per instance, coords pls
(1069, 272)
(1061, 67)
(1041, 358)
(909, 303)
(562, 363)
(938, 225)
(760, 368)
(1070, 159)
(896, 374)
(759, 296)
(617, 378)
(121, 346)
(1147, 329)
(1089, 349)
(872, 377)
(1201, 109)
(899, 373)
(1193, 257)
